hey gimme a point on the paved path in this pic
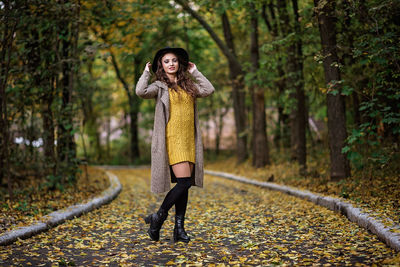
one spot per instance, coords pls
(230, 223)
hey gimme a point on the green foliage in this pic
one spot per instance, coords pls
(375, 58)
(40, 88)
(54, 182)
(131, 31)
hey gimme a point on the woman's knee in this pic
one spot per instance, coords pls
(185, 183)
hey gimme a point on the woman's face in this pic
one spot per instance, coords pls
(170, 63)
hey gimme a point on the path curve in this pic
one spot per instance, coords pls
(230, 223)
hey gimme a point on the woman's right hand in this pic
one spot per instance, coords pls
(148, 66)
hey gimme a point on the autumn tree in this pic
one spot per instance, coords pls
(38, 83)
(272, 21)
(8, 28)
(259, 133)
(115, 24)
(369, 59)
(294, 80)
(236, 74)
(69, 28)
(340, 167)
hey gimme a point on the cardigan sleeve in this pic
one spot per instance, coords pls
(145, 90)
(204, 87)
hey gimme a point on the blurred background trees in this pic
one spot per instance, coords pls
(295, 81)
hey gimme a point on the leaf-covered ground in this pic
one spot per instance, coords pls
(230, 224)
(378, 193)
(33, 200)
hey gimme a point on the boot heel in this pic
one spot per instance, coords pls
(147, 219)
(156, 220)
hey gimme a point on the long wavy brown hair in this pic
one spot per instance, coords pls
(183, 79)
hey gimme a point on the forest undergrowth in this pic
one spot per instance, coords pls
(34, 199)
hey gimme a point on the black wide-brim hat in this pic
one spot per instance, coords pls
(181, 53)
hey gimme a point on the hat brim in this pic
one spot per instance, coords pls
(180, 52)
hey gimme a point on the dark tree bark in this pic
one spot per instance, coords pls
(48, 129)
(347, 58)
(218, 111)
(135, 106)
(282, 134)
(108, 140)
(337, 133)
(260, 144)
(66, 147)
(300, 114)
(236, 76)
(5, 58)
(36, 57)
(295, 84)
(47, 111)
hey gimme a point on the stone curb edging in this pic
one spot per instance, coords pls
(353, 214)
(59, 216)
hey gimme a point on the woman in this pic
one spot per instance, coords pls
(176, 148)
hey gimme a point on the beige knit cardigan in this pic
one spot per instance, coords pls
(160, 169)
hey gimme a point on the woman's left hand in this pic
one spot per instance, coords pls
(192, 67)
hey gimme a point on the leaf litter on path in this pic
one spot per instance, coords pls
(378, 195)
(230, 224)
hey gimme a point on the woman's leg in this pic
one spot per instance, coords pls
(180, 205)
(179, 190)
(178, 196)
(180, 210)
(182, 172)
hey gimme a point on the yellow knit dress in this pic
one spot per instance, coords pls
(180, 127)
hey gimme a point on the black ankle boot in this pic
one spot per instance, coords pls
(156, 220)
(179, 230)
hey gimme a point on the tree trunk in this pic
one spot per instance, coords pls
(348, 54)
(134, 136)
(235, 74)
(282, 134)
(66, 144)
(260, 144)
(295, 83)
(221, 115)
(108, 139)
(90, 118)
(48, 130)
(300, 112)
(340, 167)
(5, 57)
(283, 118)
(133, 110)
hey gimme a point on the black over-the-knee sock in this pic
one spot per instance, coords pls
(181, 204)
(182, 186)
